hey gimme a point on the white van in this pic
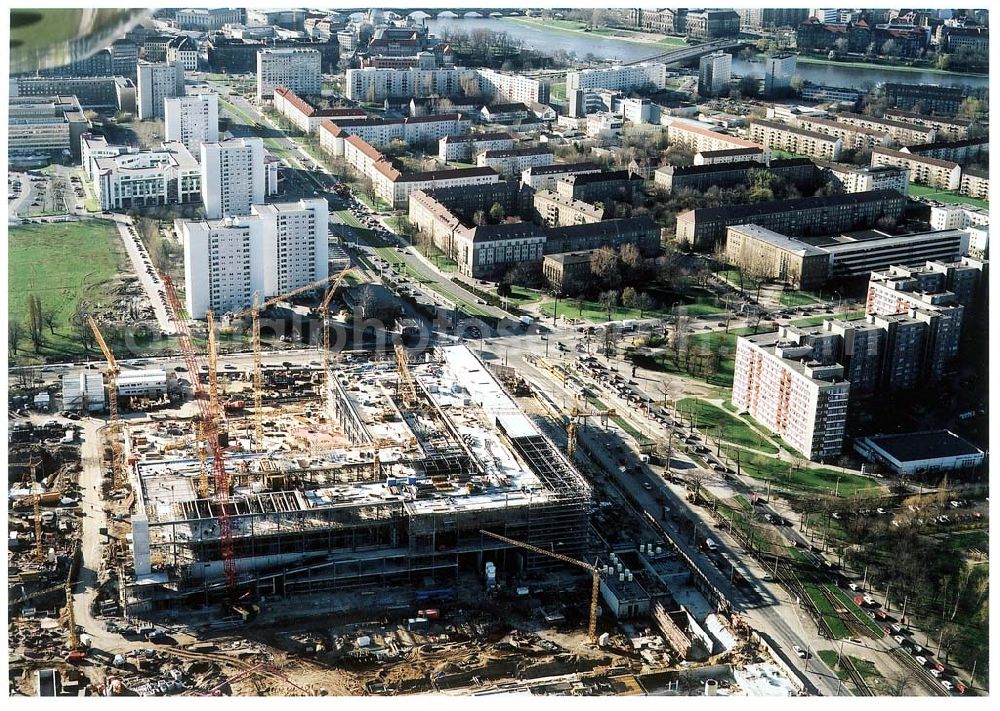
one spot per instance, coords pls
(710, 545)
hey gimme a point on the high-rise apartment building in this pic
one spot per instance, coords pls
(276, 248)
(232, 176)
(156, 83)
(293, 68)
(783, 385)
(715, 71)
(778, 72)
(192, 120)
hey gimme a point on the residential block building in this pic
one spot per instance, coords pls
(799, 171)
(700, 139)
(379, 132)
(901, 132)
(513, 161)
(715, 73)
(704, 227)
(232, 176)
(306, 117)
(619, 78)
(853, 136)
(465, 147)
(855, 179)
(545, 177)
(295, 68)
(778, 380)
(975, 183)
(966, 150)
(192, 120)
(731, 155)
(929, 99)
(156, 83)
(948, 129)
(276, 248)
(927, 171)
(773, 135)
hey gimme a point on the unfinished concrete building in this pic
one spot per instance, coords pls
(390, 486)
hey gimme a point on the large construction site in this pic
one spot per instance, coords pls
(390, 481)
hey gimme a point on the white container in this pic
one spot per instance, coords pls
(364, 641)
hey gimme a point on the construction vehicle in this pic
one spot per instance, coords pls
(258, 378)
(594, 570)
(114, 431)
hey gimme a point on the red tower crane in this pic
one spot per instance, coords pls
(210, 432)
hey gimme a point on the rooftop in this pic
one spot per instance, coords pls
(791, 204)
(919, 446)
(557, 168)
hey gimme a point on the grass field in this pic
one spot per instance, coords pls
(804, 480)
(858, 613)
(946, 196)
(576, 27)
(797, 298)
(720, 423)
(825, 608)
(62, 263)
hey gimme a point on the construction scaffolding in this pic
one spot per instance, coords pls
(405, 498)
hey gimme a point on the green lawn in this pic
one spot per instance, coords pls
(594, 311)
(803, 480)
(576, 27)
(62, 263)
(797, 298)
(711, 418)
(826, 610)
(557, 91)
(946, 196)
(858, 613)
(520, 295)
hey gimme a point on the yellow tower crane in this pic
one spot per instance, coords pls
(594, 571)
(200, 450)
(39, 549)
(258, 377)
(406, 384)
(324, 314)
(114, 424)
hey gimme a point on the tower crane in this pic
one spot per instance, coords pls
(213, 367)
(324, 314)
(210, 432)
(114, 424)
(595, 572)
(406, 383)
(258, 377)
(39, 549)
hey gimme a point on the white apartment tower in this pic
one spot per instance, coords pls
(778, 72)
(192, 120)
(276, 248)
(232, 176)
(715, 71)
(297, 69)
(157, 82)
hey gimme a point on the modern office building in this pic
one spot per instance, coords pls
(167, 176)
(90, 92)
(715, 73)
(930, 453)
(276, 248)
(44, 128)
(298, 69)
(92, 147)
(781, 383)
(192, 120)
(157, 82)
(232, 176)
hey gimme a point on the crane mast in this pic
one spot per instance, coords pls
(114, 423)
(210, 432)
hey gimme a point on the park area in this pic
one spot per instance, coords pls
(63, 264)
(721, 424)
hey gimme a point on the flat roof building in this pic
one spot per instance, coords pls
(295, 68)
(920, 453)
(156, 83)
(232, 176)
(192, 120)
(45, 127)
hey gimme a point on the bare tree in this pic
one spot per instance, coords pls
(605, 265)
(49, 317)
(609, 300)
(81, 329)
(15, 331)
(644, 302)
(36, 324)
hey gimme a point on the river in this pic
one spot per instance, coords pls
(548, 40)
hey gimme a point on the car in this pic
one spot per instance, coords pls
(647, 486)
(230, 366)
(936, 673)
(921, 659)
(899, 638)
(947, 684)
(802, 654)
(183, 369)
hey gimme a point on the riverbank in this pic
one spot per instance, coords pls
(576, 28)
(804, 59)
